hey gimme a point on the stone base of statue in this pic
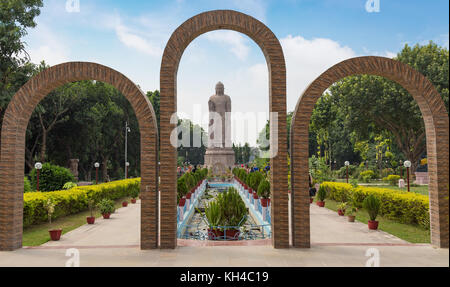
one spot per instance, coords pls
(219, 160)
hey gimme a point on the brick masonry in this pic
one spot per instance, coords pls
(269, 44)
(437, 132)
(12, 153)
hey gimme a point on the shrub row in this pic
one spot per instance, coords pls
(188, 181)
(405, 207)
(74, 200)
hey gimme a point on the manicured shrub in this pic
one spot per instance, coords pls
(368, 174)
(372, 205)
(321, 194)
(26, 185)
(402, 206)
(255, 179)
(264, 189)
(74, 200)
(386, 172)
(392, 179)
(51, 177)
(106, 206)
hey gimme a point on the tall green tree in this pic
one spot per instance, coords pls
(375, 104)
(16, 16)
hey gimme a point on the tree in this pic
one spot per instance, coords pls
(15, 69)
(375, 104)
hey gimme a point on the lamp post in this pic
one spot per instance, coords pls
(96, 165)
(127, 130)
(127, 164)
(401, 168)
(38, 167)
(347, 163)
(407, 165)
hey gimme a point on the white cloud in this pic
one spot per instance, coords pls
(135, 41)
(235, 40)
(307, 59)
(46, 46)
(256, 8)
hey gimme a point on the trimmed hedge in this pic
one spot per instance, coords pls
(405, 207)
(74, 200)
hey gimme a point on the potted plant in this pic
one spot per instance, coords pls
(351, 213)
(55, 234)
(106, 207)
(341, 208)
(213, 214)
(134, 195)
(124, 203)
(321, 195)
(372, 205)
(234, 212)
(264, 192)
(91, 219)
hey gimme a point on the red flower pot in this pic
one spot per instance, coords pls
(232, 234)
(341, 212)
(106, 215)
(125, 203)
(188, 195)
(55, 234)
(133, 200)
(320, 203)
(90, 219)
(351, 218)
(255, 195)
(311, 200)
(373, 224)
(215, 234)
(265, 202)
(182, 202)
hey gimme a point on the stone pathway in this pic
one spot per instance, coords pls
(335, 242)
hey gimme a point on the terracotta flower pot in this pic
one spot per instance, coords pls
(373, 224)
(232, 234)
(106, 215)
(90, 219)
(341, 212)
(133, 200)
(189, 195)
(55, 234)
(351, 218)
(311, 200)
(255, 195)
(182, 202)
(215, 234)
(265, 202)
(320, 203)
(125, 203)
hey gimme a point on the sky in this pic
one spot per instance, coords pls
(130, 36)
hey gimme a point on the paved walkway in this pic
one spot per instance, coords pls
(335, 242)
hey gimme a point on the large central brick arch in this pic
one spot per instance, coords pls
(14, 127)
(437, 131)
(271, 48)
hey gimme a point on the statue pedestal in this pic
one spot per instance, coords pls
(401, 183)
(219, 160)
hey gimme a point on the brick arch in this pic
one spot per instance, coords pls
(437, 133)
(14, 128)
(271, 48)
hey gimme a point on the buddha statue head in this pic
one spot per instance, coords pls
(220, 89)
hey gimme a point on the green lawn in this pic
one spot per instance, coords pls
(38, 234)
(422, 189)
(408, 232)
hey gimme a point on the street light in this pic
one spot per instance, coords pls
(127, 130)
(96, 165)
(347, 163)
(38, 167)
(127, 164)
(407, 165)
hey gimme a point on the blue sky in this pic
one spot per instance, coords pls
(130, 36)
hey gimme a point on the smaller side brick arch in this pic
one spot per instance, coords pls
(437, 132)
(14, 127)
